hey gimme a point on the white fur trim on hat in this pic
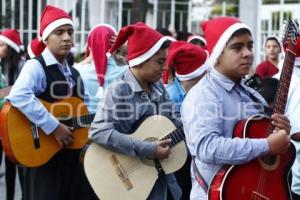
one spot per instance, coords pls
(10, 43)
(222, 41)
(29, 51)
(53, 25)
(274, 37)
(107, 25)
(197, 37)
(297, 61)
(198, 72)
(142, 58)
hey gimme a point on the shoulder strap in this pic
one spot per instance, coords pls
(198, 176)
(41, 60)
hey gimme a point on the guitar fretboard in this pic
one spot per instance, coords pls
(284, 84)
(176, 137)
(79, 122)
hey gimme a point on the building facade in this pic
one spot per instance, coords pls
(24, 15)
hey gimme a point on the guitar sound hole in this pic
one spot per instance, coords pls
(269, 160)
(147, 161)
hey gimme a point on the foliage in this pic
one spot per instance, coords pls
(231, 10)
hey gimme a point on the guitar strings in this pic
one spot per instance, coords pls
(262, 181)
(260, 184)
(129, 170)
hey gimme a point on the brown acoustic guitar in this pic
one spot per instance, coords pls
(26, 144)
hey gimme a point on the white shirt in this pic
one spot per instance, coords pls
(32, 82)
(293, 113)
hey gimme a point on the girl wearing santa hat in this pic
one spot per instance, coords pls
(215, 104)
(139, 93)
(10, 54)
(269, 67)
(50, 77)
(101, 69)
(11, 65)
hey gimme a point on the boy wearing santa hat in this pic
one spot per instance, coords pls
(217, 102)
(190, 63)
(100, 71)
(50, 77)
(139, 93)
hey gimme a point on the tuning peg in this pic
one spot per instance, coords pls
(282, 33)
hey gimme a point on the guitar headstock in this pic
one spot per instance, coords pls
(291, 32)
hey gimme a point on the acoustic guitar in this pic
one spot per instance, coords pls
(26, 144)
(117, 176)
(265, 178)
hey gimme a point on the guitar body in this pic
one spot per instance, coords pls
(117, 176)
(17, 138)
(265, 178)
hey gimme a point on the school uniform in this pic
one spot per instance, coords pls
(62, 177)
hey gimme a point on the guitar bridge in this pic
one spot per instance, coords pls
(256, 195)
(35, 136)
(121, 172)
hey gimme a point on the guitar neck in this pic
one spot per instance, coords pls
(176, 137)
(284, 84)
(79, 122)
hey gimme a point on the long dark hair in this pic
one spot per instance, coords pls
(10, 65)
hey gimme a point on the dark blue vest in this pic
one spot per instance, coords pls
(57, 85)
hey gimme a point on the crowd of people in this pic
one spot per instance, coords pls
(198, 82)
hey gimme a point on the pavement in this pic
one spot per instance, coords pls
(2, 184)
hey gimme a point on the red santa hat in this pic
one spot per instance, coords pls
(197, 37)
(143, 42)
(35, 48)
(297, 59)
(98, 41)
(190, 61)
(51, 19)
(217, 32)
(11, 37)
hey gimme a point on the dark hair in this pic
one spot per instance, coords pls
(10, 65)
(165, 45)
(274, 39)
(240, 32)
(197, 42)
(164, 31)
(182, 35)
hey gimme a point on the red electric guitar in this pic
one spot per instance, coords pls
(265, 178)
